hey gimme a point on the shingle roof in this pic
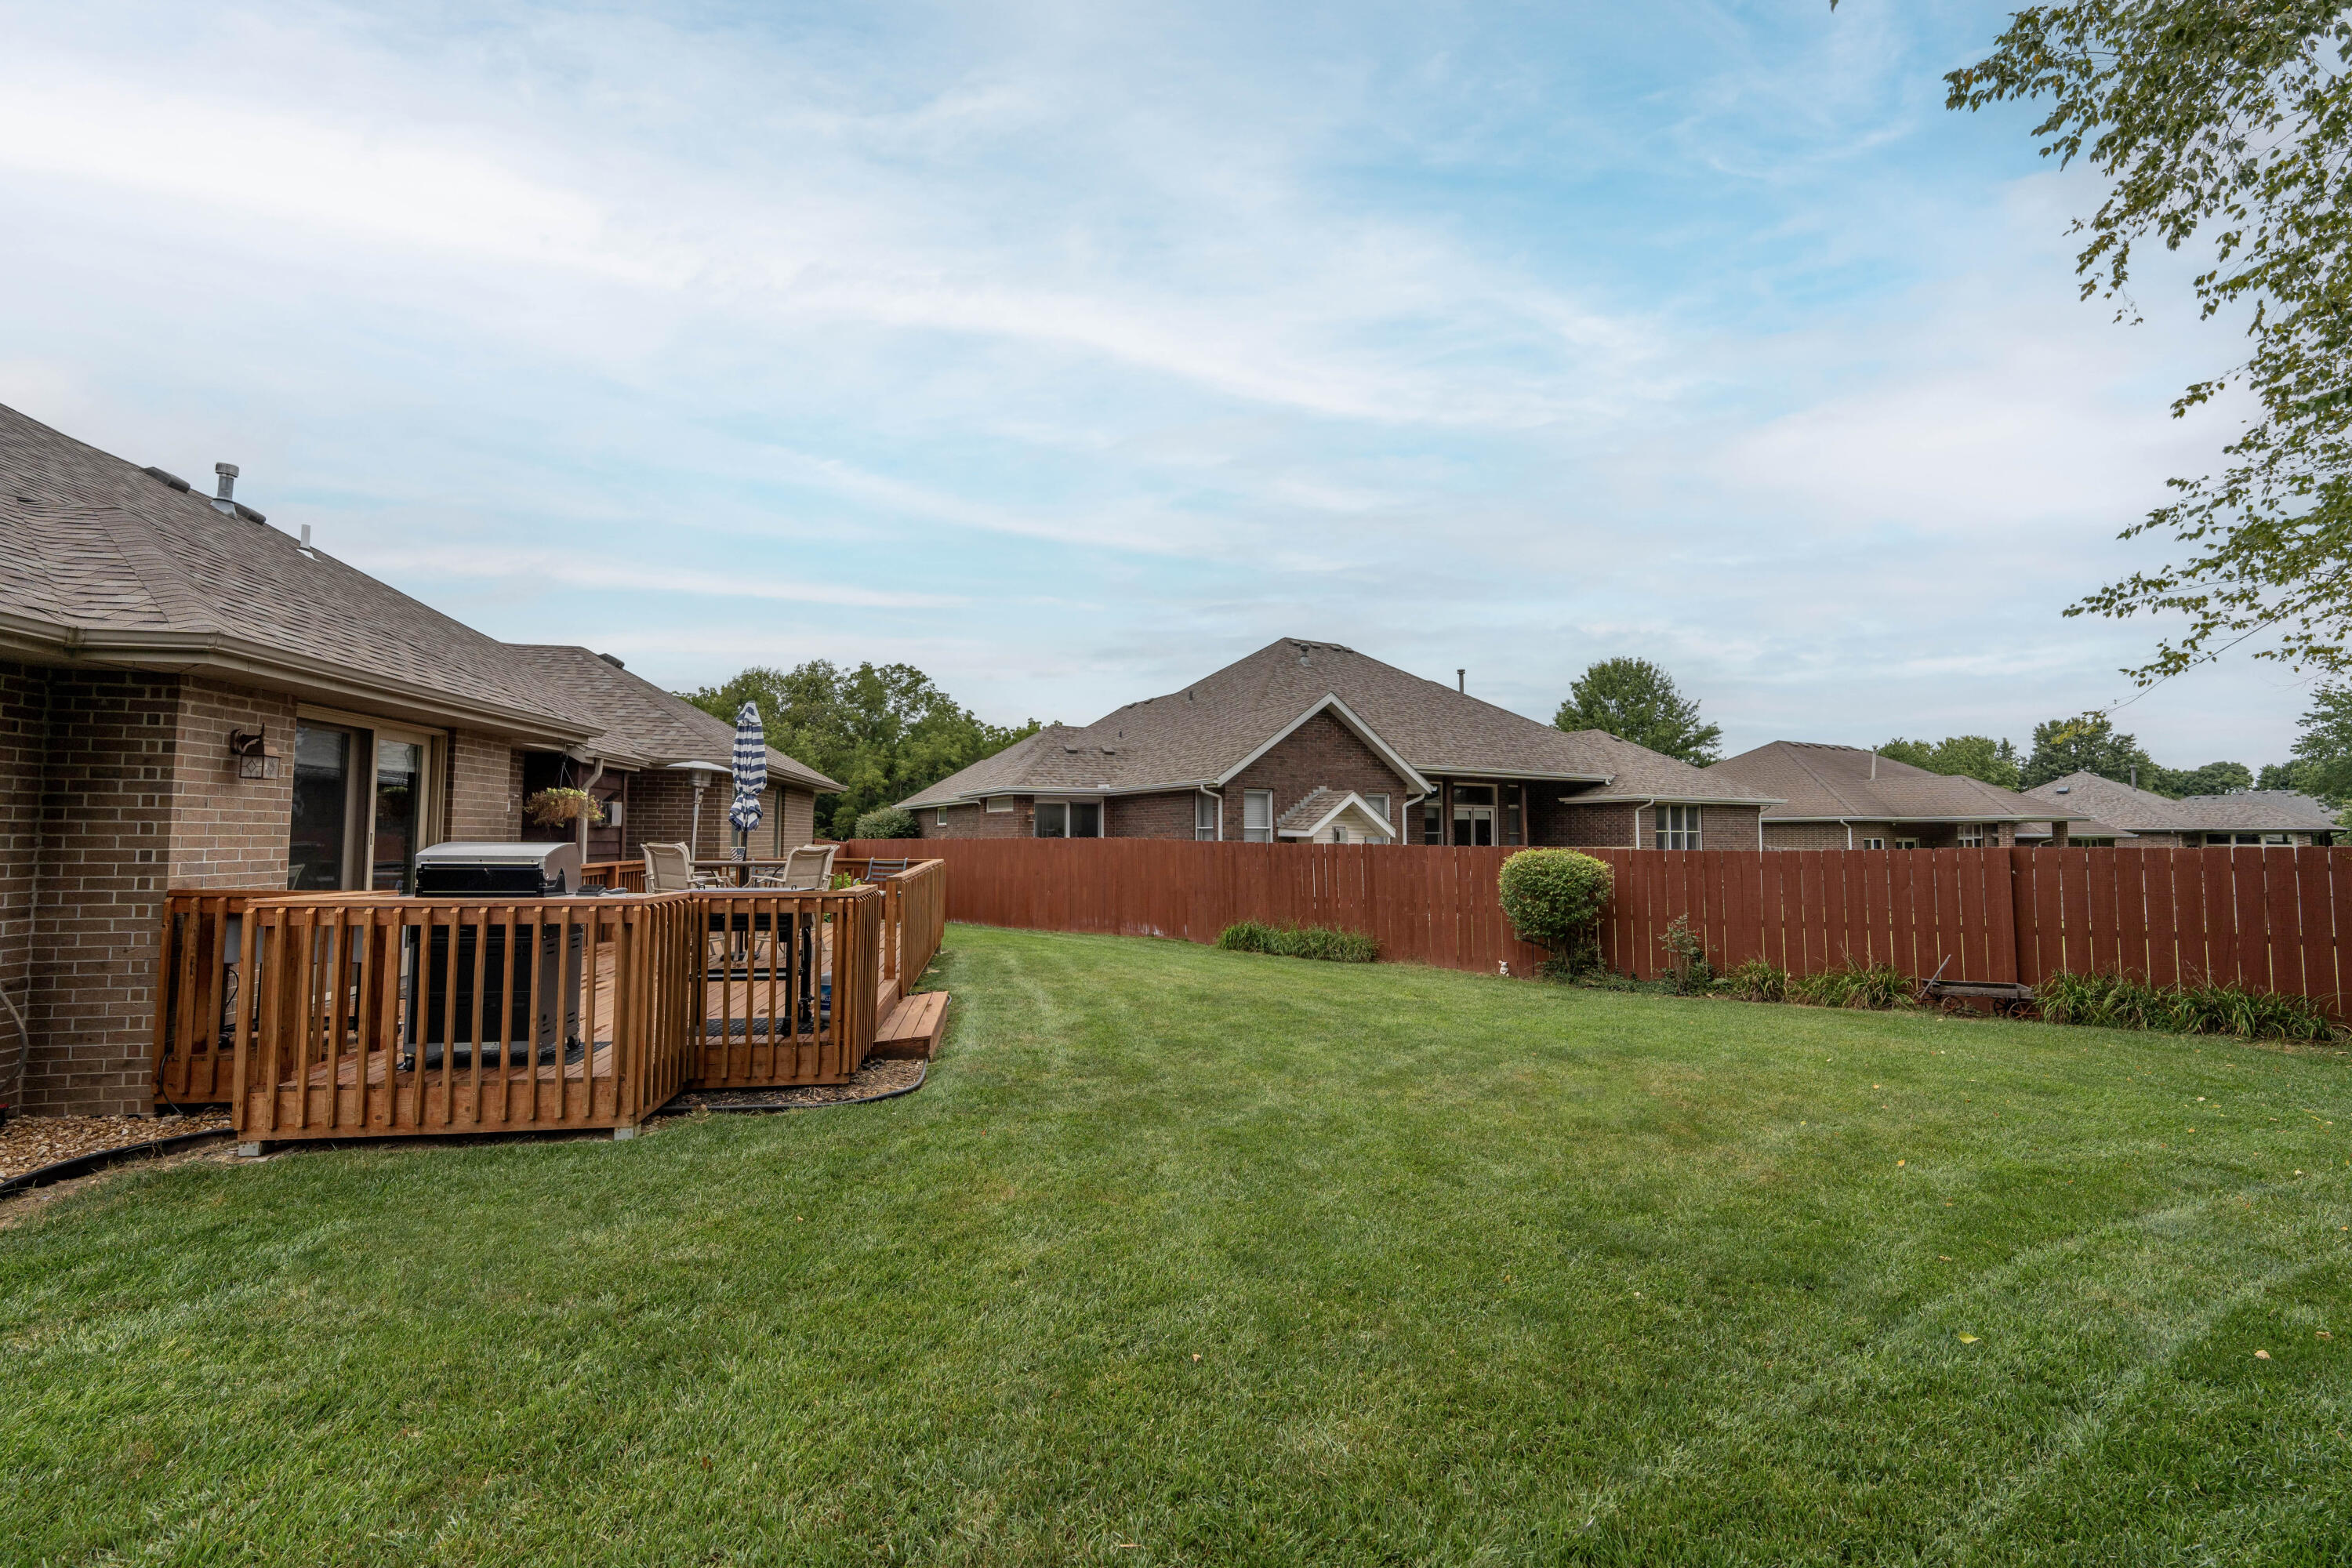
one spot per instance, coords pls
(1201, 733)
(1825, 783)
(2142, 811)
(642, 723)
(101, 559)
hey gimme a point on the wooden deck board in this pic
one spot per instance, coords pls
(912, 1030)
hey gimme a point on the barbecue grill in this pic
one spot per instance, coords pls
(538, 984)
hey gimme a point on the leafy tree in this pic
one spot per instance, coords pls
(2090, 744)
(1635, 701)
(2323, 752)
(2298, 775)
(2213, 778)
(1972, 756)
(884, 730)
(2225, 120)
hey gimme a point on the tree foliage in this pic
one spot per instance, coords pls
(883, 730)
(2228, 123)
(2323, 751)
(1972, 756)
(1635, 701)
(2089, 744)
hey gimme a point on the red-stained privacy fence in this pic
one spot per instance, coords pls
(2265, 918)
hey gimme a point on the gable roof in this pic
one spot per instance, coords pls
(1822, 783)
(101, 561)
(2143, 811)
(1320, 806)
(1201, 735)
(645, 726)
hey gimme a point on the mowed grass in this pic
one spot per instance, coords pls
(1194, 1257)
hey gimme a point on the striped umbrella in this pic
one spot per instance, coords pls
(750, 774)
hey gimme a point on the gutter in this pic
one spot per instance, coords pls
(181, 653)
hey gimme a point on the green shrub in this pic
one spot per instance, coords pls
(885, 822)
(1325, 942)
(2119, 1001)
(1758, 980)
(1553, 899)
(1873, 985)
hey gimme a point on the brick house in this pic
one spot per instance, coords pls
(1845, 797)
(191, 698)
(2141, 819)
(1310, 742)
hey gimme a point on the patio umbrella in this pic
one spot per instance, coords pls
(750, 774)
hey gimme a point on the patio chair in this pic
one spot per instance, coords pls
(669, 869)
(884, 867)
(808, 869)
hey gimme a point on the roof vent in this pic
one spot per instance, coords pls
(224, 501)
(2064, 789)
(1460, 681)
(174, 480)
(616, 663)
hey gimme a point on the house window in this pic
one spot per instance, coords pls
(1907, 844)
(1379, 805)
(1511, 822)
(1432, 822)
(1677, 826)
(1070, 819)
(1874, 844)
(999, 803)
(1257, 815)
(1972, 834)
(1204, 816)
(1473, 814)
(943, 817)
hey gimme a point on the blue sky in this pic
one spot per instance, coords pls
(1071, 352)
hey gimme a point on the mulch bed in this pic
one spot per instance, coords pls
(875, 1081)
(29, 1142)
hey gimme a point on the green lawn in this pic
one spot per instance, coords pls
(1194, 1257)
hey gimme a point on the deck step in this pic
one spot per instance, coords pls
(912, 1030)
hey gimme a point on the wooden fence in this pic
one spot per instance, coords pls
(2266, 918)
(343, 1015)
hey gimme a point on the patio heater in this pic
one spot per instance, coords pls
(703, 772)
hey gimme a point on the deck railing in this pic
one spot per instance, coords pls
(357, 1014)
(614, 876)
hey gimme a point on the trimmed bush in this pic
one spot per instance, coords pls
(1325, 942)
(1875, 985)
(885, 822)
(1553, 899)
(2119, 1001)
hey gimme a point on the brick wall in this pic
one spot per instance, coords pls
(1167, 815)
(485, 787)
(226, 831)
(1321, 752)
(976, 821)
(661, 811)
(23, 742)
(107, 803)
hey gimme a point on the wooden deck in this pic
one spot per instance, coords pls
(912, 1030)
(329, 1022)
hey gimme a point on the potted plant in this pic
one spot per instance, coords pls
(551, 806)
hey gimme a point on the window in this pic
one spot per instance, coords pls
(1070, 819)
(1677, 826)
(1874, 844)
(355, 825)
(1972, 834)
(1473, 814)
(1379, 805)
(1257, 815)
(1204, 816)
(322, 762)
(1907, 844)
(999, 803)
(1432, 822)
(1511, 823)
(943, 817)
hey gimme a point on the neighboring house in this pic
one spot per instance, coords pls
(191, 698)
(1844, 797)
(2140, 819)
(1310, 742)
(635, 765)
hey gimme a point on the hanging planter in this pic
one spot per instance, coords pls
(551, 806)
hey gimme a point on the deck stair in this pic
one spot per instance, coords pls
(912, 1031)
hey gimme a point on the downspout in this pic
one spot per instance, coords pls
(589, 789)
(1652, 803)
(1219, 796)
(1849, 831)
(1410, 801)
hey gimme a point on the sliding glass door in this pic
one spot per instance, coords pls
(357, 825)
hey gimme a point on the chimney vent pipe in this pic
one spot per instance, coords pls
(224, 499)
(1460, 681)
